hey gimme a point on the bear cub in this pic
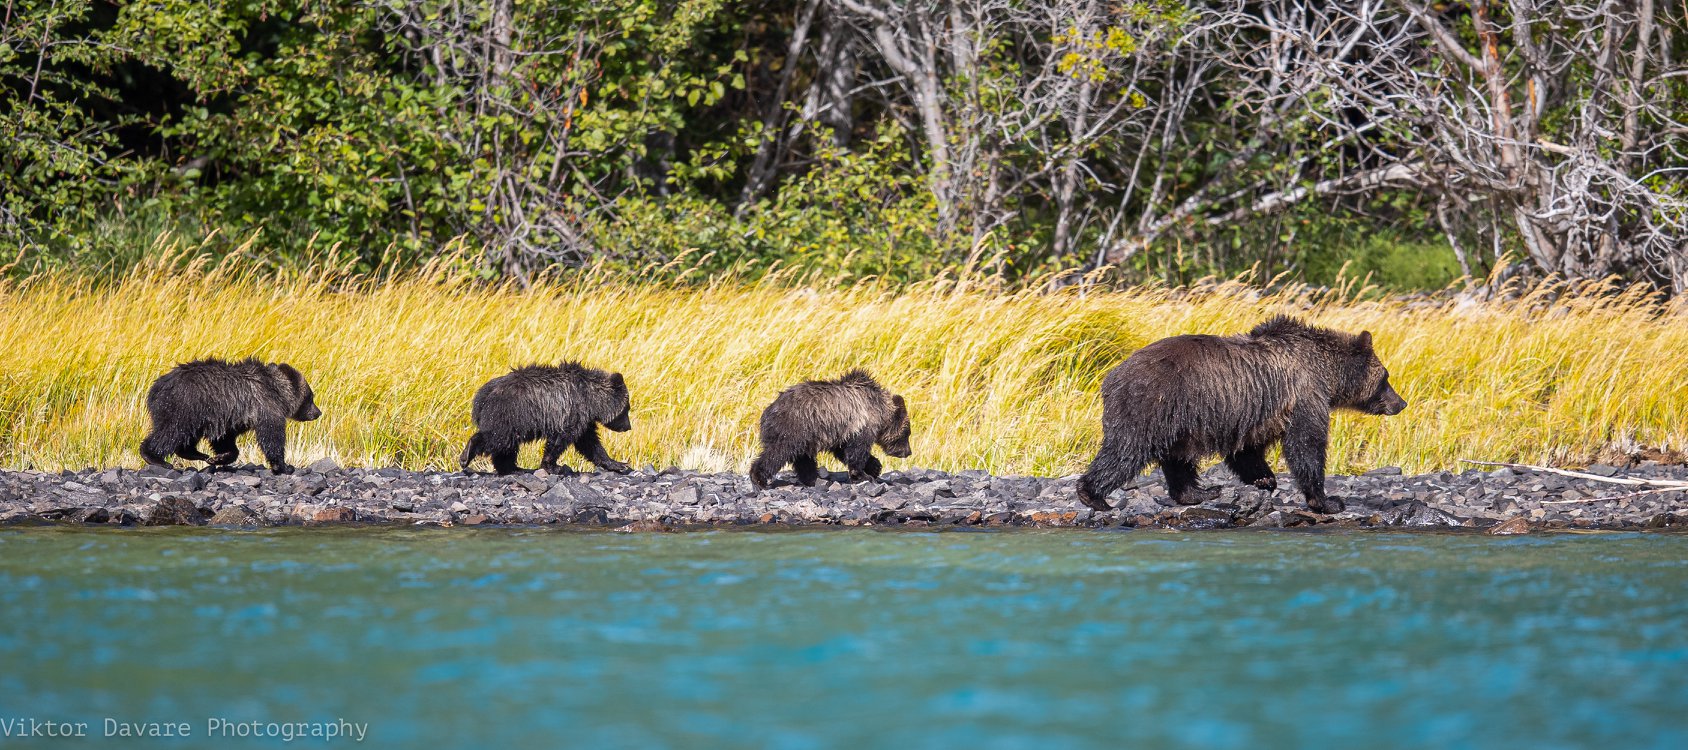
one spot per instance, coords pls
(845, 417)
(217, 400)
(561, 405)
(1182, 398)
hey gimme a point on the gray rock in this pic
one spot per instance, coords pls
(237, 515)
(687, 495)
(532, 483)
(174, 511)
(1418, 514)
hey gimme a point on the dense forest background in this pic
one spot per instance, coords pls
(1417, 141)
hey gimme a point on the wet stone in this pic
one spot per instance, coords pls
(237, 515)
(174, 511)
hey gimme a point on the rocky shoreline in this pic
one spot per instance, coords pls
(1506, 500)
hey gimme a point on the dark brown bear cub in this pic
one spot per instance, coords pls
(1182, 398)
(845, 417)
(561, 405)
(217, 400)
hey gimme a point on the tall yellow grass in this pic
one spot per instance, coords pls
(1005, 382)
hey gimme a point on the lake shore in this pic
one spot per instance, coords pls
(1502, 500)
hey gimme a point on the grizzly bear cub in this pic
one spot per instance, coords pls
(1182, 398)
(845, 417)
(221, 400)
(561, 405)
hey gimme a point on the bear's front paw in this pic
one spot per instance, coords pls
(615, 466)
(282, 469)
(1326, 505)
(1269, 484)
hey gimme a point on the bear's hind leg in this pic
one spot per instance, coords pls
(808, 472)
(223, 449)
(1113, 466)
(1249, 464)
(1182, 485)
(504, 460)
(554, 447)
(189, 448)
(156, 450)
(475, 447)
(763, 469)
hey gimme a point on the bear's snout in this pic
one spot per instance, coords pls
(1388, 403)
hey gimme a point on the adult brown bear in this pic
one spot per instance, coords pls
(1180, 399)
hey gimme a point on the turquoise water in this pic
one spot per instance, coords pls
(851, 639)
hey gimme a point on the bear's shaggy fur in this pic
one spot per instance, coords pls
(561, 405)
(217, 400)
(1182, 398)
(846, 417)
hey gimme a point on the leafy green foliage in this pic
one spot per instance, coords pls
(577, 132)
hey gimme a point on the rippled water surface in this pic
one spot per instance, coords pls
(851, 639)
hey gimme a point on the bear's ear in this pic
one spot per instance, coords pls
(1364, 340)
(293, 376)
(618, 382)
(897, 403)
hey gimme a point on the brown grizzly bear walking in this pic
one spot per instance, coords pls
(220, 400)
(1182, 398)
(846, 417)
(562, 405)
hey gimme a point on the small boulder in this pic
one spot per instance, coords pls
(174, 511)
(1197, 517)
(236, 515)
(1513, 525)
(333, 515)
